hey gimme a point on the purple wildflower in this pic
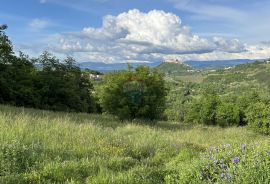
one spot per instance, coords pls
(268, 153)
(223, 175)
(236, 160)
(226, 176)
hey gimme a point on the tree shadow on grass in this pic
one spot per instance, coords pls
(103, 120)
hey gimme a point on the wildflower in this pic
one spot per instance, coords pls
(223, 175)
(243, 147)
(211, 158)
(236, 160)
(226, 176)
(268, 153)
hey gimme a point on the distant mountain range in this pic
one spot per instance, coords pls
(104, 67)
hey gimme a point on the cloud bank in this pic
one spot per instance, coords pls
(135, 36)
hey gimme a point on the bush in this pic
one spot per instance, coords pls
(227, 114)
(133, 94)
(211, 109)
(177, 101)
(203, 110)
(258, 117)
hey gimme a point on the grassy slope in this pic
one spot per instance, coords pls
(254, 75)
(40, 146)
(174, 68)
(181, 71)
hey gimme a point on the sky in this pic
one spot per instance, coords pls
(120, 31)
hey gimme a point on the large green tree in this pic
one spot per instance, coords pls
(15, 74)
(61, 85)
(56, 85)
(138, 93)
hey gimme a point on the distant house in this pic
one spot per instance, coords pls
(91, 74)
(95, 76)
(173, 61)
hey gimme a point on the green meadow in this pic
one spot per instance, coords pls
(51, 147)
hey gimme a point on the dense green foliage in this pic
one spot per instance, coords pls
(55, 86)
(228, 114)
(48, 147)
(258, 116)
(138, 93)
(225, 97)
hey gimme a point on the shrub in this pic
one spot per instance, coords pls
(133, 94)
(193, 115)
(208, 110)
(203, 110)
(258, 117)
(211, 109)
(227, 114)
(176, 105)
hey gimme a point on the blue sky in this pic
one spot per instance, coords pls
(140, 30)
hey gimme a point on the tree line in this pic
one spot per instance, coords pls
(60, 85)
(49, 83)
(44, 82)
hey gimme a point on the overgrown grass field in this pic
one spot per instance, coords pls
(47, 147)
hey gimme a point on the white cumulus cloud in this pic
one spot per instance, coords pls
(139, 36)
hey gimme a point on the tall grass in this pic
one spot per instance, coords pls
(48, 147)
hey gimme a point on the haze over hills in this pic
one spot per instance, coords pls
(105, 67)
